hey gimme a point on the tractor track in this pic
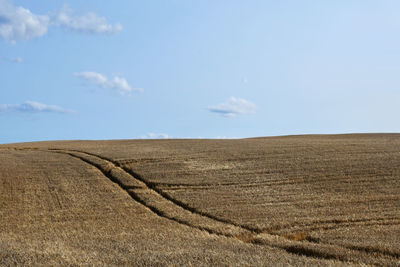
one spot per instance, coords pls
(148, 195)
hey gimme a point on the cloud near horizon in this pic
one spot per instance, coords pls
(18, 23)
(155, 136)
(32, 107)
(118, 83)
(233, 107)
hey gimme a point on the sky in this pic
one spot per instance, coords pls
(132, 69)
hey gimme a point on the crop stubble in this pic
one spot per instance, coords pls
(333, 197)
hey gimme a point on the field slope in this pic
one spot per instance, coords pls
(294, 200)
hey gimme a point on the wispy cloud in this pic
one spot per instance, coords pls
(93, 77)
(32, 107)
(87, 23)
(225, 137)
(155, 136)
(18, 23)
(117, 83)
(17, 59)
(233, 107)
(13, 59)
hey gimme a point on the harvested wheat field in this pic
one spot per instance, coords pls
(295, 200)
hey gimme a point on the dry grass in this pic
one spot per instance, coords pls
(298, 200)
(297, 236)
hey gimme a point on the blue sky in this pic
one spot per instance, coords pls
(185, 68)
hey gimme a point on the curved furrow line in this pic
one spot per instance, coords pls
(142, 192)
(153, 186)
(145, 195)
(320, 224)
(345, 225)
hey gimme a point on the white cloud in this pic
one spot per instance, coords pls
(87, 23)
(32, 107)
(225, 137)
(18, 23)
(121, 84)
(234, 106)
(93, 77)
(155, 136)
(17, 60)
(118, 83)
(13, 59)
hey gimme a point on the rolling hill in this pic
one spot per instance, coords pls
(292, 200)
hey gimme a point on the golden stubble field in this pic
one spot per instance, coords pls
(295, 200)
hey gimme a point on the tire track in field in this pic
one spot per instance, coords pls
(147, 196)
(163, 205)
(155, 188)
(371, 222)
(335, 223)
(142, 192)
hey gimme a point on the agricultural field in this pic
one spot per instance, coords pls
(293, 200)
